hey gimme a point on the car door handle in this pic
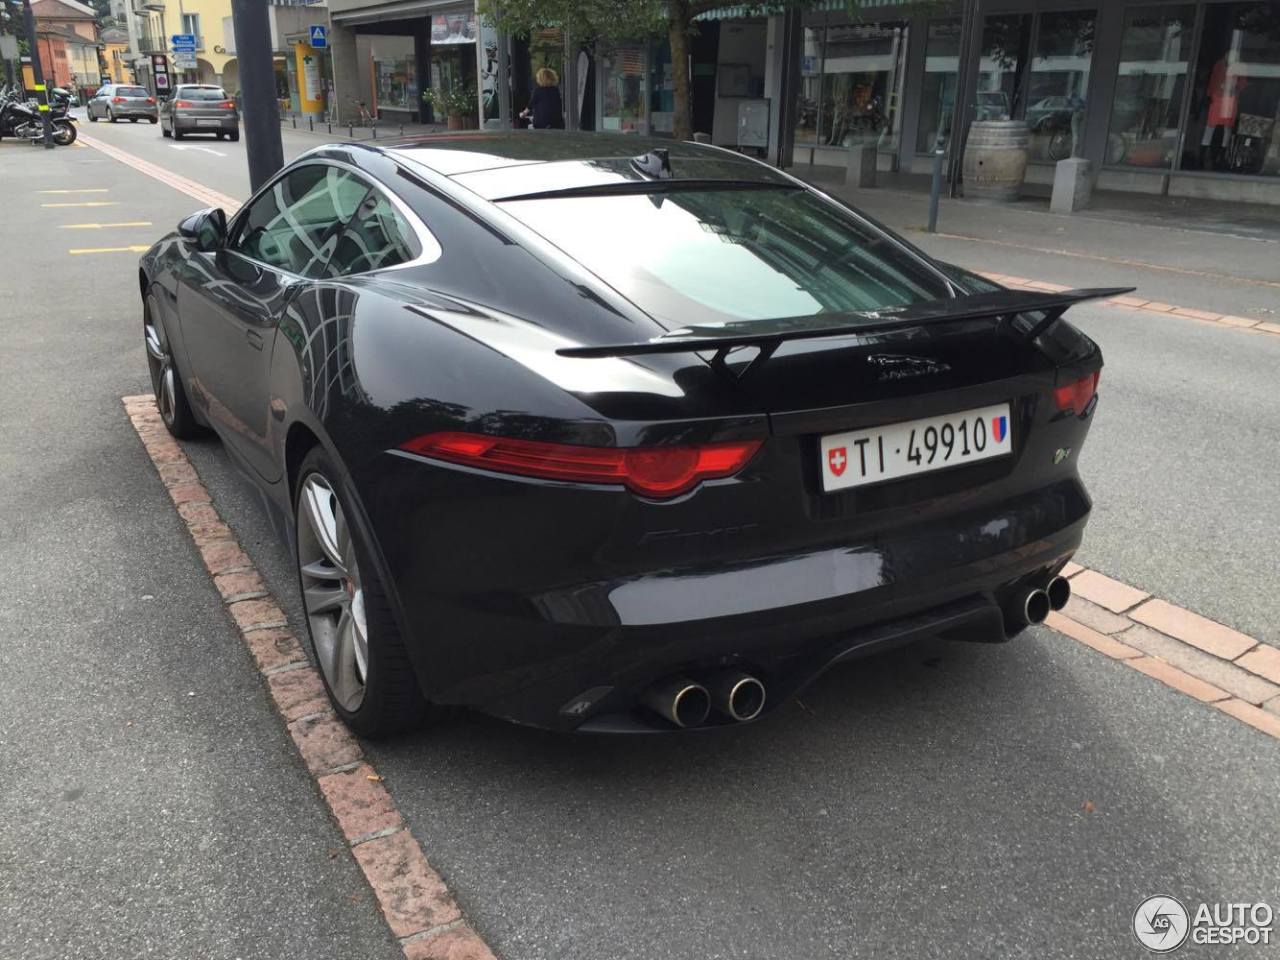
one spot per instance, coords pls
(254, 338)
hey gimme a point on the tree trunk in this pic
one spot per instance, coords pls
(678, 35)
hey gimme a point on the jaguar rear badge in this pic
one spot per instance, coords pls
(897, 366)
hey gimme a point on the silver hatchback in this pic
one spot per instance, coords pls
(199, 108)
(122, 101)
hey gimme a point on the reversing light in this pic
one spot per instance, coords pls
(649, 471)
(1076, 396)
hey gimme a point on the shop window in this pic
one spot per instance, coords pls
(624, 89)
(1234, 124)
(941, 68)
(1058, 83)
(1154, 52)
(854, 97)
(397, 83)
(1006, 42)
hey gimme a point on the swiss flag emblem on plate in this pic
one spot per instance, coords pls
(837, 460)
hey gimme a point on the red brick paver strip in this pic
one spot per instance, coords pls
(1194, 629)
(1264, 661)
(1258, 719)
(1102, 590)
(1238, 682)
(1092, 615)
(413, 899)
(1178, 679)
(1091, 638)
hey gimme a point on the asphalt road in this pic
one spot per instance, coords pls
(941, 801)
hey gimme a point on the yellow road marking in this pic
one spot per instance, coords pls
(83, 190)
(85, 203)
(100, 226)
(134, 249)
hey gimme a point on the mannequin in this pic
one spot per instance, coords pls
(1225, 85)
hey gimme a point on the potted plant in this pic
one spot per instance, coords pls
(458, 103)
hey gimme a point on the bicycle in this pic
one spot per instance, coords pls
(364, 117)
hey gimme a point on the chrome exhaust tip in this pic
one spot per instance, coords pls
(680, 700)
(1059, 592)
(737, 694)
(1036, 606)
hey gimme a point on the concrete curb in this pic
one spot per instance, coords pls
(414, 901)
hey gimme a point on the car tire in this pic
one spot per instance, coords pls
(342, 594)
(164, 131)
(234, 136)
(133, 119)
(176, 133)
(111, 117)
(219, 134)
(166, 379)
(152, 119)
(93, 118)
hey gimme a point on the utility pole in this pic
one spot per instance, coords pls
(258, 90)
(37, 72)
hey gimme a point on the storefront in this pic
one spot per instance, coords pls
(1176, 98)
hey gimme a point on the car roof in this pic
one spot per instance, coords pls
(497, 163)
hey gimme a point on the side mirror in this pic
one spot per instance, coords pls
(208, 228)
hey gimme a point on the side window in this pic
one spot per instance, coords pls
(378, 236)
(295, 224)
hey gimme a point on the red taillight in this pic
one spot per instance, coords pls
(228, 104)
(648, 471)
(183, 103)
(151, 99)
(1076, 396)
(117, 99)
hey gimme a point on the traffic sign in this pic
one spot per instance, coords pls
(319, 36)
(184, 61)
(183, 41)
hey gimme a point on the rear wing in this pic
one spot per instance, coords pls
(767, 335)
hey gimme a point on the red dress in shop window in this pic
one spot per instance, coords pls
(1224, 94)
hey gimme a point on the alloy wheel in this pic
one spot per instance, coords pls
(160, 361)
(332, 591)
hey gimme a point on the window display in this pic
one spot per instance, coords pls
(1147, 107)
(941, 68)
(1006, 42)
(397, 83)
(625, 87)
(1058, 84)
(1235, 107)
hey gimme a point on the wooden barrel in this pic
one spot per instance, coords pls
(995, 159)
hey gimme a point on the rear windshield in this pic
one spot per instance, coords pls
(130, 92)
(722, 255)
(203, 93)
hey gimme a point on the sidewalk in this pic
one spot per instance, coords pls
(1176, 251)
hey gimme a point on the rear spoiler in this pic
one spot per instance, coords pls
(767, 335)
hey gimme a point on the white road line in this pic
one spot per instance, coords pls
(179, 146)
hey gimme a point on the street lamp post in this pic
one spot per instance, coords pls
(37, 72)
(258, 90)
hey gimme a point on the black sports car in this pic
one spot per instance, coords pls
(597, 432)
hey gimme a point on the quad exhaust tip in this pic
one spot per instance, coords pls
(737, 694)
(1030, 605)
(680, 700)
(1059, 592)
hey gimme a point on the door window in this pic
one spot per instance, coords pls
(295, 224)
(378, 237)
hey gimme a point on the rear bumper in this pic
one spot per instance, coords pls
(206, 124)
(502, 622)
(124, 112)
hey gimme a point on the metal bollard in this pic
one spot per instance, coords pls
(329, 124)
(402, 129)
(295, 121)
(935, 191)
(311, 122)
(374, 127)
(351, 131)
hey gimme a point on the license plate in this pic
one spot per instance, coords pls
(209, 123)
(914, 446)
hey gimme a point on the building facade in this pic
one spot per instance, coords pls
(67, 42)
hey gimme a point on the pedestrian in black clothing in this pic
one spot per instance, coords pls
(545, 109)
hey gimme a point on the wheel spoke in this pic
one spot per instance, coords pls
(360, 636)
(154, 346)
(323, 515)
(169, 401)
(343, 678)
(320, 600)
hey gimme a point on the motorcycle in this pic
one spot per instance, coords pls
(22, 121)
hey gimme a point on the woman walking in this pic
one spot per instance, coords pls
(545, 109)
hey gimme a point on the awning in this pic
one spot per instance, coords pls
(744, 11)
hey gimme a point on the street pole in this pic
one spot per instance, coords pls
(37, 72)
(258, 90)
(935, 192)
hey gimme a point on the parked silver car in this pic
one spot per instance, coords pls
(122, 101)
(199, 108)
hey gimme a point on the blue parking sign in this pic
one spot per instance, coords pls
(319, 37)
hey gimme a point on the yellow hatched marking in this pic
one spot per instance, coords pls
(102, 226)
(81, 190)
(85, 203)
(133, 249)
